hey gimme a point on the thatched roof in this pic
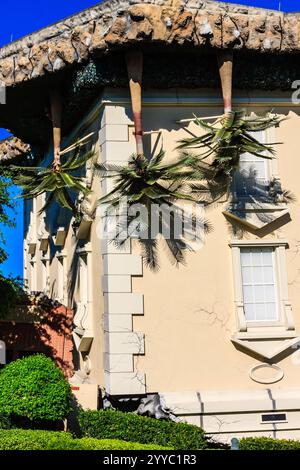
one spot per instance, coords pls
(84, 52)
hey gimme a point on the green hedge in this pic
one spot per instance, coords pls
(35, 389)
(89, 443)
(134, 428)
(267, 443)
(20, 439)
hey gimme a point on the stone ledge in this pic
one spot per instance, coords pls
(12, 148)
(119, 23)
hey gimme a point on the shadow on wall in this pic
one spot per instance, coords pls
(50, 335)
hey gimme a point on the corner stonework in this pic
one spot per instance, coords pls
(121, 342)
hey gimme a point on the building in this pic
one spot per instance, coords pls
(35, 324)
(215, 342)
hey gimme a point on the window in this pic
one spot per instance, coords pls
(60, 279)
(261, 295)
(32, 277)
(259, 284)
(45, 276)
(83, 319)
(253, 176)
(83, 279)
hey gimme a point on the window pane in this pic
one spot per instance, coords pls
(267, 255)
(246, 257)
(268, 275)
(247, 275)
(259, 168)
(249, 312)
(271, 311)
(259, 293)
(256, 257)
(248, 294)
(270, 293)
(258, 277)
(252, 178)
(260, 312)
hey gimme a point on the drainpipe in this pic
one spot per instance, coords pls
(56, 111)
(134, 61)
(225, 63)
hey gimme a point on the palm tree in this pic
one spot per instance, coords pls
(149, 182)
(59, 184)
(152, 183)
(224, 142)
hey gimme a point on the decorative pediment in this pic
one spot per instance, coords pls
(83, 333)
(84, 226)
(60, 237)
(83, 339)
(31, 247)
(44, 243)
(267, 345)
(259, 219)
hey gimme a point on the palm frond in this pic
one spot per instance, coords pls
(152, 183)
(233, 137)
(60, 185)
(223, 143)
(150, 253)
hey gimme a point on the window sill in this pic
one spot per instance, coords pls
(243, 203)
(260, 335)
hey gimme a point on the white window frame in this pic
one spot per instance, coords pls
(84, 298)
(32, 278)
(26, 272)
(83, 333)
(45, 265)
(83, 279)
(269, 135)
(62, 277)
(45, 271)
(285, 320)
(275, 284)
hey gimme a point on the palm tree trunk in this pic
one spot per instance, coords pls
(225, 63)
(56, 111)
(134, 61)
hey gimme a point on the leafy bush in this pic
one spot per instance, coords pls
(130, 427)
(20, 439)
(90, 443)
(10, 292)
(267, 443)
(34, 388)
(5, 421)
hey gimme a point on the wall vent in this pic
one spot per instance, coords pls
(274, 418)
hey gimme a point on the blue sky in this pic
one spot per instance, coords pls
(18, 18)
(283, 5)
(21, 17)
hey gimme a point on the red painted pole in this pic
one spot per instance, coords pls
(134, 60)
(56, 111)
(225, 64)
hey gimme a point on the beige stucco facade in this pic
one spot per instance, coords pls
(179, 332)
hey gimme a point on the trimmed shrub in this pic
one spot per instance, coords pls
(90, 443)
(35, 389)
(110, 424)
(20, 439)
(267, 443)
